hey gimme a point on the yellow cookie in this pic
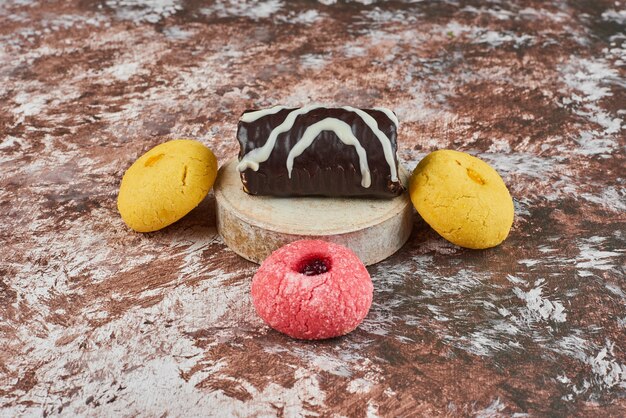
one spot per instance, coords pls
(165, 184)
(462, 198)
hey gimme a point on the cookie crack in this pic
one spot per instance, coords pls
(305, 321)
(184, 177)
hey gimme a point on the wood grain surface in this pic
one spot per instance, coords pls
(256, 226)
(96, 320)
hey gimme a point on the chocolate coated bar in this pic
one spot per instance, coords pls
(319, 151)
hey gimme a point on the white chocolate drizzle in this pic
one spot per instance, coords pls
(259, 155)
(262, 154)
(384, 141)
(392, 116)
(345, 135)
(258, 114)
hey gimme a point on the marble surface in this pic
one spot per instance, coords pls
(96, 320)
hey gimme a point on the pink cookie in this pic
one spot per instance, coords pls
(312, 289)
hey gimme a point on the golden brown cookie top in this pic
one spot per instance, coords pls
(165, 184)
(462, 198)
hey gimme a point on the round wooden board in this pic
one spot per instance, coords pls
(255, 226)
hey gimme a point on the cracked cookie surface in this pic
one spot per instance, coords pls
(462, 198)
(165, 184)
(312, 289)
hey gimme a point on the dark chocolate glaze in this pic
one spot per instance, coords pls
(326, 168)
